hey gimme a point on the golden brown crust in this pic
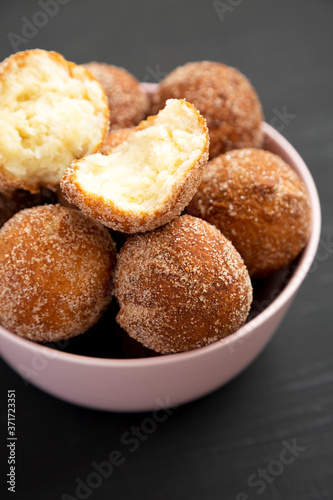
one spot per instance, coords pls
(128, 103)
(111, 215)
(21, 199)
(259, 203)
(56, 269)
(181, 286)
(8, 182)
(116, 137)
(62, 200)
(225, 98)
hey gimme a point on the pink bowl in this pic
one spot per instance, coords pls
(152, 383)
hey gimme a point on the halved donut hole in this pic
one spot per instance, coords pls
(147, 172)
(51, 112)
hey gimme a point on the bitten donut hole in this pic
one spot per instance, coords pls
(51, 113)
(142, 170)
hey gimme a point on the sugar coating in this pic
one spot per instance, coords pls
(181, 286)
(259, 203)
(128, 103)
(56, 270)
(149, 178)
(225, 98)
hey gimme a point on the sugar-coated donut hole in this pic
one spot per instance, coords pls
(148, 178)
(138, 171)
(224, 97)
(259, 202)
(181, 286)
(56, 267)
(51, 112)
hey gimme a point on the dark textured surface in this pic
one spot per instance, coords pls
(210, 448)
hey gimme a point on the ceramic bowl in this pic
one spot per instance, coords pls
(151, 383)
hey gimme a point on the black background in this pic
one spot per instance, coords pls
(209, 448)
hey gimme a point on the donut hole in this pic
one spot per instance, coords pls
(141, 172)
(51, 112)
(224, 97)
(56, 273)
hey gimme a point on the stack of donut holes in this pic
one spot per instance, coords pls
(177, 243)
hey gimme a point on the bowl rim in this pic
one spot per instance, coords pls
(239, 335)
